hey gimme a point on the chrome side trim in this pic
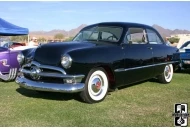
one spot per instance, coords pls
(123, 69)
(8, 77)
(45, 67)
(51, 87)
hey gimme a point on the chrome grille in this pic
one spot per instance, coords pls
(44, 67)
(37, 71)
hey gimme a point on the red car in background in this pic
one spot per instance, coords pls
(17, 44)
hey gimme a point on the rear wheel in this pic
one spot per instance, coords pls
(167, 75)
(96, 86)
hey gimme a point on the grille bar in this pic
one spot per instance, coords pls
(45, 67)
(54, 75)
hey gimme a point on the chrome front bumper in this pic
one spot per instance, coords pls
(51, 87)
(11, 76)
(37, 71)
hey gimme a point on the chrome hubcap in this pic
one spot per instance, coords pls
(96, 85)
(167, 72)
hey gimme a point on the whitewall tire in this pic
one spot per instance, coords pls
(167, 74)
(96, 86)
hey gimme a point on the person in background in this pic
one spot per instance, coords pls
(33, 42)
(168, 42)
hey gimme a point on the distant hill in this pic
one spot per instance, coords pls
(50, 34)
(167, 32)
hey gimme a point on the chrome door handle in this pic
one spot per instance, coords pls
(149, 48)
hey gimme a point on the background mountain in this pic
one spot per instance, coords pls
(50, 34)
(167, 32)
(71, 33)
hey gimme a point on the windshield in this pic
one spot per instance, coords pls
(102, 33)
(5, 42)
(185, 45)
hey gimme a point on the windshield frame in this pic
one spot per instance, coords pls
(98, 39)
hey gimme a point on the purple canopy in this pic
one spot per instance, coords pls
(9, 29)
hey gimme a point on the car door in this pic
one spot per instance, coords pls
(160, 52)
(138, 56)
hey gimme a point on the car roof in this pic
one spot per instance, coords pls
(123, 24)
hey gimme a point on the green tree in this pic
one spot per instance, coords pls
(173, 40)
(23, 38)
(69, 39)
(42, 39)
(59, 36)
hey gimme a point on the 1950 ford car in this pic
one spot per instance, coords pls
(102, 56)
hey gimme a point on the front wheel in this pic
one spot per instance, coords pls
(167, 75)
(96, 86)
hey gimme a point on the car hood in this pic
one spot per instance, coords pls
(50, 54)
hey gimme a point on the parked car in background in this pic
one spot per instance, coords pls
(17, 44)
(184, 55)
(100, 58)
(8, 59)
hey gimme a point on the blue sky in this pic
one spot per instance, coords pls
(46, 16)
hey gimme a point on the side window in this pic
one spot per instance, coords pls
(153, 37)
(135, 36)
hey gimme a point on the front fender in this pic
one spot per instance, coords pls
(28, 55)
(84, 60)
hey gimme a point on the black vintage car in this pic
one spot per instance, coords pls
(100, 58)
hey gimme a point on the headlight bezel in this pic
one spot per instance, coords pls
(20, 58)
(66, 61)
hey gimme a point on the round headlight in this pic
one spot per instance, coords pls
(20, 58)
(66, 61)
